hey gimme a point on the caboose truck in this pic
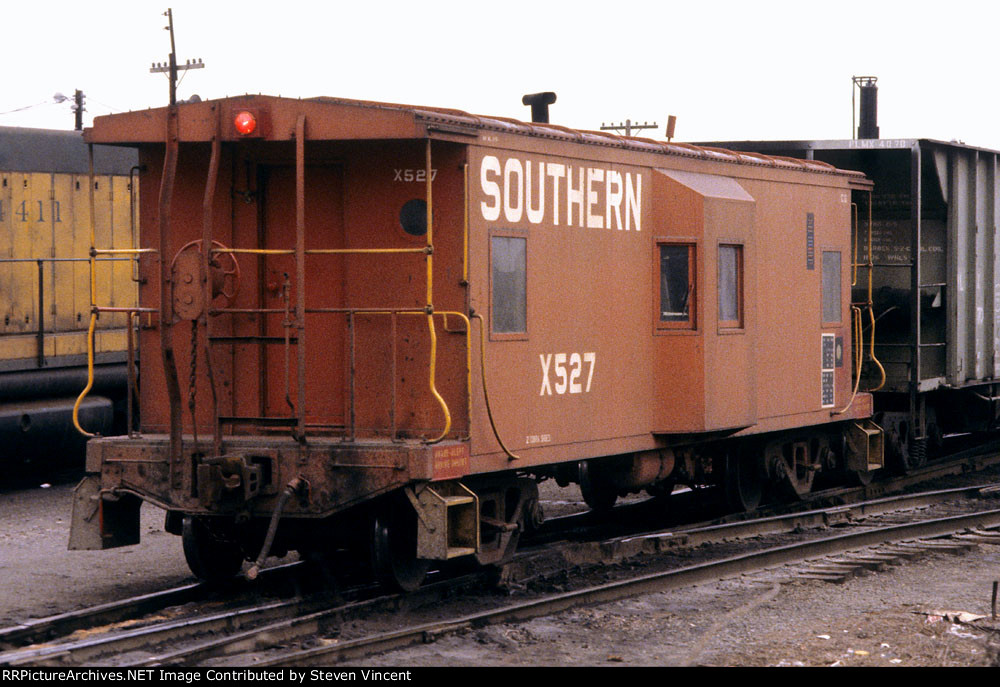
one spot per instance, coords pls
(387, 322)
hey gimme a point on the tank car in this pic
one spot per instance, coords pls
(374, 327)
(45, 215)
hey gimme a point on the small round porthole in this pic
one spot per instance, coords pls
(413, 217)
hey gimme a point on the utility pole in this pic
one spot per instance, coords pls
(171, 68)
(78, 108)
(628, 126)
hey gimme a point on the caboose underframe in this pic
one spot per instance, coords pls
(371, 313)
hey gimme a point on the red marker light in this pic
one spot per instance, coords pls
(245, 123)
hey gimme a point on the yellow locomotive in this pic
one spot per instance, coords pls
(46, 219)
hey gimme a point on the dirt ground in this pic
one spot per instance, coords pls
(41, 577)
(895, 617)
(884, 619)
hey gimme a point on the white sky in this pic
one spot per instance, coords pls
(728, 70)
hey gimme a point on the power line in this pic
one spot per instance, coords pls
(28, 107)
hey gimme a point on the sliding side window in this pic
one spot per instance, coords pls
(677, 280)
(509, 302)
(731, 286)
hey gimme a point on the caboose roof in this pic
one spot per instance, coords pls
(330, 118)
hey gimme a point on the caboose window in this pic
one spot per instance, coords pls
(831, 286)
(509, 285)
(677, 284)
(730, 285)
(413, 217)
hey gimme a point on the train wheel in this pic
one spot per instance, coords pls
(211, 557)
(394, 548)
(743, 481)
(904, 452)
(598, 493)
(794, 464)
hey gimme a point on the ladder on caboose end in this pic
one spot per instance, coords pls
(205, 314)
(203, 318)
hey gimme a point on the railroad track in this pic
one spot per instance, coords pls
(314, 631)
(128, 611)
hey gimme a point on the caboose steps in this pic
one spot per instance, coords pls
(866, 444)
(447, 520)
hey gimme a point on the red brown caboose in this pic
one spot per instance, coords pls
(377, 325)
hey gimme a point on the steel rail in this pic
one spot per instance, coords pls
(292, 624)
(90, 649)
(967, 460)
(312, 624)
(63, 624)
(821, 517)
(970, 459)
(94, 647)
(657, 582)
(293, 628)
(40, 629)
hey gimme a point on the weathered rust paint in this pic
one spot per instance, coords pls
(339, 476)
(300, 270)
(594, 374)
(208, 203)
(171, 146)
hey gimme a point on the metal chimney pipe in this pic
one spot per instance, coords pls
(868, 114)
(539, 103)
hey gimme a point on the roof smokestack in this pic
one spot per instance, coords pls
(868, 114)
(539, 103)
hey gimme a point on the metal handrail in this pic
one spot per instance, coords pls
(122, 251)
(486, 393)
(301, 309)
(96, 309)
(317, 251)
(856, 308)
(858, 356)
(25, 260)
(299, 251)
